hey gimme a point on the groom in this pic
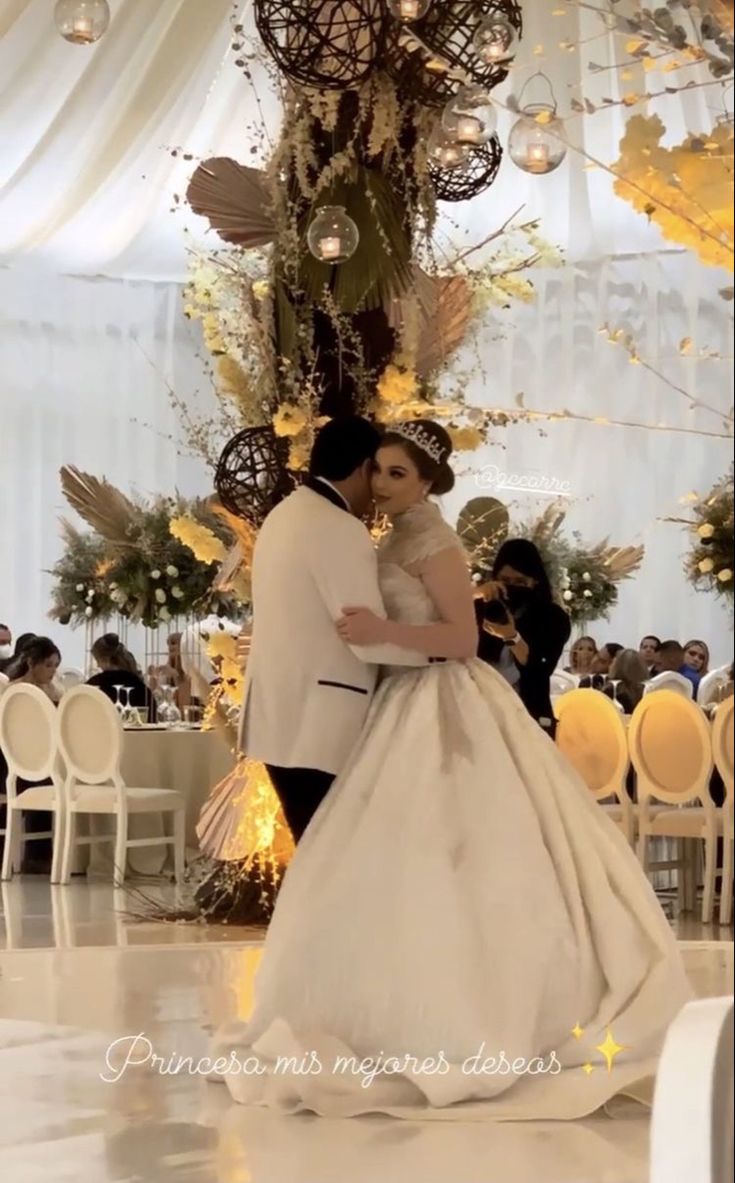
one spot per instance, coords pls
(307, 692)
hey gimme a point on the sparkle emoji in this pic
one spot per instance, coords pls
(609, 1049)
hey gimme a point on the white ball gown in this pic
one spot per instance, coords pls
(459, 906)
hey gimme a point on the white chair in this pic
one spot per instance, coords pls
(722, 749)
(592, 736)
(90, 741)
(669, 680)
(561, 683)
(671, 749)
(28, 739)
(692, 1118)
(710, 685)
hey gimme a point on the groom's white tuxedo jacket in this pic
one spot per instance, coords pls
(306, 691)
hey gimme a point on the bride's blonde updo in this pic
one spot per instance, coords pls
(429, 446)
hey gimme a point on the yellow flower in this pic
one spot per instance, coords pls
(706, 531)
(298, 456)
(289, 420)
(685, 191)
(706, 566)
(201, 541)
(396, 386)
(261, 288)
(191, 313)
(465, 439)
(222, 644)
(725, 575)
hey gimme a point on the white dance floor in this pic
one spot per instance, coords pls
(79, 977)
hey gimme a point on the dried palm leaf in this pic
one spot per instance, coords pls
(548, 525)
(234, 199)
(622, 561)
(445, 328)
(103, 507)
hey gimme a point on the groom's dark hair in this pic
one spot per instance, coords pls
(343, 445)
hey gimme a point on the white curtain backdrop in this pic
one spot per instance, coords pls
(92, 333)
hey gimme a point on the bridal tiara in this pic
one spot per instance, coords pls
(419, 436)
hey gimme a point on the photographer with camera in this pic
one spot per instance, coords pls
(522, 630)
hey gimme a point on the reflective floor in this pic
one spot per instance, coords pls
(76, 975)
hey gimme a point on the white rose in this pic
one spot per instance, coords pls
(87, 611)
(172, 571)
(160, 596)
(567, 596)
(164, 614)
(115, 597)
(586, 577)
(80, 587)
(587, 593)
(565, 585)
(177, 593)
(90, 597)
(155, 574)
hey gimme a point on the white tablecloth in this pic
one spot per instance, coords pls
(190, 761)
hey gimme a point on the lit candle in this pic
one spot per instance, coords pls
(83, 29)
(494, 51)
(409, 10)
(469, 129)
(331, 248)
(538, 158)
(450, 157)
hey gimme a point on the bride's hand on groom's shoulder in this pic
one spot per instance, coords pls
(360, 626)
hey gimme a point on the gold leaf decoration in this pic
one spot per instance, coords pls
(234, 199)
(445, 310)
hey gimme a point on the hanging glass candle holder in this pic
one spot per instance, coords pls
(82, 21)
(445, 152)
(535, 142)
(469, 118)
(332, 236)
(495, 40)
(409, 10)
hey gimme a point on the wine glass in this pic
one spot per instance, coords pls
(126, 709)
(118, 699)
(168, 712)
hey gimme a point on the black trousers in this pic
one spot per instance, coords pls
(301, 792)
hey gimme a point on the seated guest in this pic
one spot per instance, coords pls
(648, 650)
(172, 673)
(696, 663)
(518, 611)
(37, 664)
(600, 667)
(629, 671)
(581, 656)
(6, 646)
(119, 668)
(671, 659)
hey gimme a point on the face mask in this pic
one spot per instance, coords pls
(519, 598)
(5, 651)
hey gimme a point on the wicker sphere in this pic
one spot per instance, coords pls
(448, 33)
(251, 475)
(478, 173)
(326, 44)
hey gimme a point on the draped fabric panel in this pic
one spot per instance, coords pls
(93, 253)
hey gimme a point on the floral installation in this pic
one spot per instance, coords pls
(136, 567)
(80, 592)
(584, 579)
(710, 562)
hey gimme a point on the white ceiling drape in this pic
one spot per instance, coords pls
(91, 256)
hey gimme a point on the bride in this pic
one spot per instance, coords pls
(463, 933)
